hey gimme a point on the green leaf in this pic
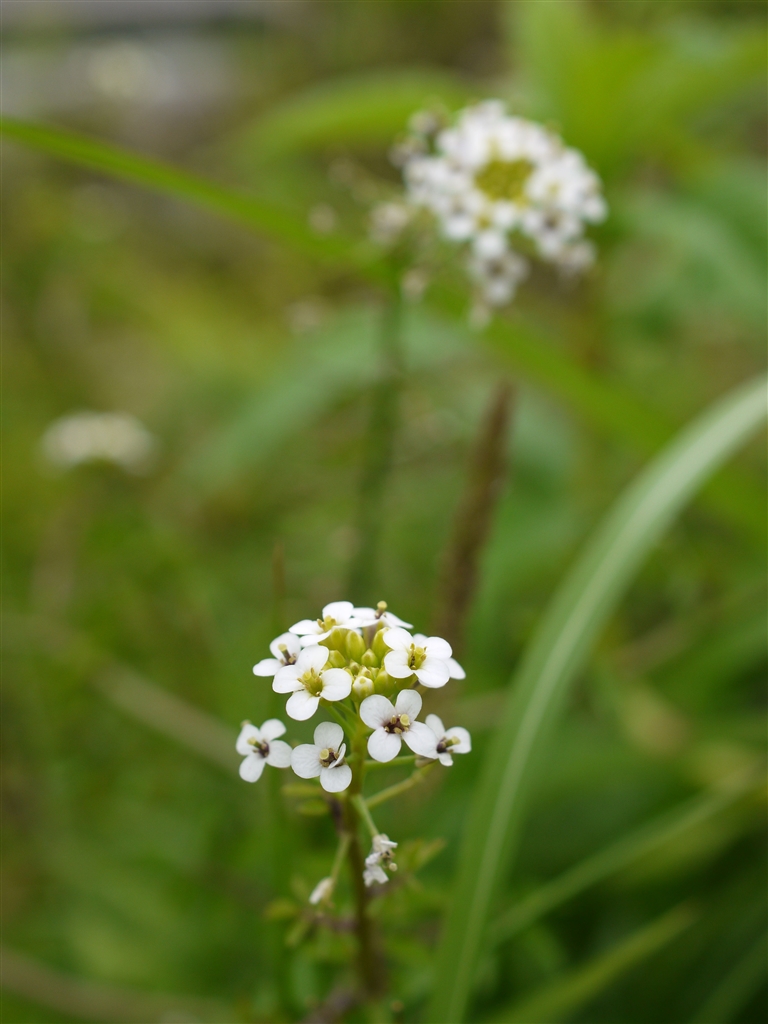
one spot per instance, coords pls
(665, 829)
(560, 997)
(558, 651)
(353, 110)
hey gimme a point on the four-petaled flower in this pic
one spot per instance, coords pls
(427, 660)
(285, 650)
(337, 613)
(455, 669)
(449, 741)
(393, 723)
(307, 683)
(381, 854)
(261, 746)
(324, 757)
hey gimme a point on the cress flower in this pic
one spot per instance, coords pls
(496, 184)
(454, 668)
(449, 741)
(427, 659)
(337, 614)
(307, 682)
(324, 757)
(261, 746)
(380, 857)
(393, 723)
(285, 650)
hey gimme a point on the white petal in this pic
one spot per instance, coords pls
(313, 639)
(287, 680)
(445, 758)
(252, 767)
(465, 742)
(436, 725)
(267, 667)
(313, 657)
(374, 874)
(337, 684)
(397, 639)
(392, 620)
(329, 734)
(421, 740)
(376, 710)
(322, 891)
(433, 673)
(455, 669)
(396, 664)
(305, 626)
(305, 761)
(340, 753)
(408, 703)
(338, 610)
(272, 728)
(436, 647)
(248, 732)
(383, 745)
(335, 779)
(301, 705)
(279, 755)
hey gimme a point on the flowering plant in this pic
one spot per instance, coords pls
(361, 667)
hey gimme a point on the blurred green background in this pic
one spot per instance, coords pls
(136, 863)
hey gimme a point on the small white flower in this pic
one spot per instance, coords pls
(115, 437)
(307, 683)
(449, 741)
(428, 661)
(455, 669)
(285, 650)
(393, 723)
(337, 613)
(324, 757)
(373, 616)
(379, 857)
(261, 746)
(322, 891)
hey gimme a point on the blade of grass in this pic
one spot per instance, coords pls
(559, 649)
(559, 998)
(604, 403)
(613, 858)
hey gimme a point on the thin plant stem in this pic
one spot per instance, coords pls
(341, 853)
(400, 787)
(378, 452)
(362, 809)
(474, 517)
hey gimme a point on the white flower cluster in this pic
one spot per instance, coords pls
(363, 666)
(506, 187)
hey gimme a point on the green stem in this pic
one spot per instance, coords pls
(378, 453)
(400, 787)
(362, 809)
(341, 853)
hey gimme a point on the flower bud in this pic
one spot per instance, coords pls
(362, 687)
(336, 640)
(384, 684)
(322, 891)
(370, 659)
(337, 659)
(354, 646)
(378, 646)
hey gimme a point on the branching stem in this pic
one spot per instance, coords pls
(400, 787)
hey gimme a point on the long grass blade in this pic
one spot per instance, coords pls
(558, 651)
(614, 858)
(558, 999)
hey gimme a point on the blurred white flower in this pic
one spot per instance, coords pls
(388, 222)
(285, 650)
(337, 613)
(261, 746)
(427, 658)
(449, 741)
(380, 857)
(324, 758)
(322, 891)
(393, 723)
(115, 437)
(307, 683)
(491, 178)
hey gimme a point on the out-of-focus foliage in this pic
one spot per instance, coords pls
(135, 605)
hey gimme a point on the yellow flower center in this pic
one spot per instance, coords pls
(327, 757)
(504, 179)
(416, 656)
(312, 683)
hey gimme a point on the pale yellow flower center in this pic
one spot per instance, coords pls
(504, 179)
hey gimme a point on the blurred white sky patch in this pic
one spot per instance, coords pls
(115, 437)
